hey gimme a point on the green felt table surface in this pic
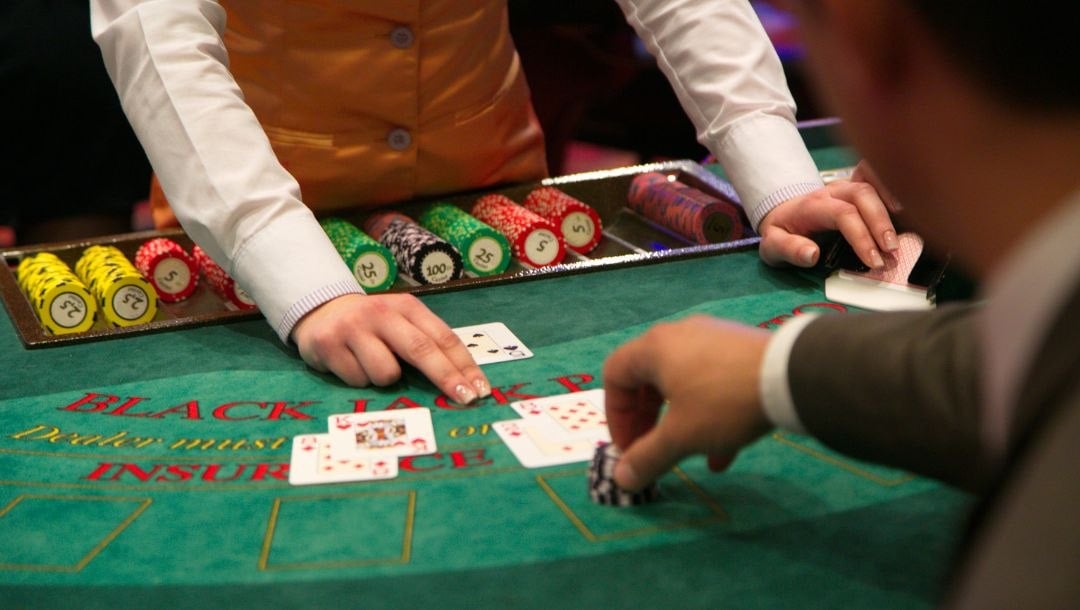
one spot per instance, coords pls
(147, 472)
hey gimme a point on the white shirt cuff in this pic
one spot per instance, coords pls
(775, 390)
(290, 267)
(768, 163)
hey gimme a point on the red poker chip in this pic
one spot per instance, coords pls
(533, 239)
(169, 268)
(579, 224)
(220, 281)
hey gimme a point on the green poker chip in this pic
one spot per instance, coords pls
(371, 262)
(484, 250)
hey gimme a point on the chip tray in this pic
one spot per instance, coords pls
(628, 239)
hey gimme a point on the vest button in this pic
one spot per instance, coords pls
(401, 37)
(399, 139)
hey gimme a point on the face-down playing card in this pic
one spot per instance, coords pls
(315, 459)
(395, 432)
(492, 342)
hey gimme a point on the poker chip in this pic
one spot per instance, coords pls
(534, 240)
(123, 295)
(685, 210)
(371, 262)
(221, 282)
(426, 257)
(578, 222)
(169, 267)
(60, 299)
(602, 487)
(484, 250)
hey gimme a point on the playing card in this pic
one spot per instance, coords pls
(316, 460)
(395, 432)
(534, 445)
(886, 289)
(898, 264)
(578, 415)
(492, 342)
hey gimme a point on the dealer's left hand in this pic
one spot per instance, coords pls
(858, 208)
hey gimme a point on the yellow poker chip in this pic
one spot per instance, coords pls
(124, 297)
(61, 300)
(129, 301)
(66, 308)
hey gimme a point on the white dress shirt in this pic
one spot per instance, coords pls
(169, 65)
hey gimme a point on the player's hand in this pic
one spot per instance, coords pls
(858, 208)
(707, 370)
(356, 337)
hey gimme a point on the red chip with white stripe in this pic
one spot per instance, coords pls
(221, 282)
(579, 223)
(533, 239)
(172, 271)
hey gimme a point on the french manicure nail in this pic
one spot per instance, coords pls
(464, 394)
(482, 388)
(891, 242)
(875, 259)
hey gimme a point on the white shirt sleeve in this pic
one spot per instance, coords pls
(776, 400)
(168, 63)
(731, 84)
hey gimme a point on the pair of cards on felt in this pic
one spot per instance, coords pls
(365, 446)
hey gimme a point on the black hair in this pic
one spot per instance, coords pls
(1024, 52)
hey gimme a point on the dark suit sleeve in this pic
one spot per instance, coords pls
(895, 388)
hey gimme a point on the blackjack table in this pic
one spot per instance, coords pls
(149, 469)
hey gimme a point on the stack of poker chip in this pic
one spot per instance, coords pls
(578, 222)
(169, 268)
(123, 295)
(533, 239)
(371, 262)
(602, 487)
(59, 297)
(685, 210)
(424, 256)
(221, 282)
(485, 251)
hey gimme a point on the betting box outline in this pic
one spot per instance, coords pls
(851, 467)
(271, 527)
(719, 514)
(143, 504)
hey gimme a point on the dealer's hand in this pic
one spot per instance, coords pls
(707, 370)
(858, 208)
(356, 337)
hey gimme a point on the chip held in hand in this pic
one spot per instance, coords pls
(602, 487)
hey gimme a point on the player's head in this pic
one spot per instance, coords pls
(1017, 52)
(934, 93)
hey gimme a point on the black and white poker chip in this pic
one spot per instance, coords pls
(602, 487)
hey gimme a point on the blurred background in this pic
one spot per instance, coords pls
(74, 168)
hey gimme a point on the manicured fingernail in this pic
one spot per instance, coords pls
(891, 242)
(482, 388)
(625, 477)
(875, 259)
(464, 394)
(808, 255)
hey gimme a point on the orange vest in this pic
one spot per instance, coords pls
(376, 101)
